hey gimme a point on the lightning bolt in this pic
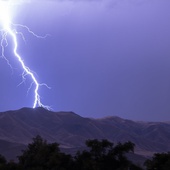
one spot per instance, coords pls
(8, 30)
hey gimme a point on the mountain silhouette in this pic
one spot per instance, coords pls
(18, 127)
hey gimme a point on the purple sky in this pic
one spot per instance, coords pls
(105, 57)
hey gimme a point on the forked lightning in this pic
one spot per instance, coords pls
(7, 28)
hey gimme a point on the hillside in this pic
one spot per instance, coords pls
(17, 128)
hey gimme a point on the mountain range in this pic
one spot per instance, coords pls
(18, 127)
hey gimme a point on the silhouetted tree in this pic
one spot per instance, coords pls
(99, 148)
(160, 161)
(43, 156)
(2, 162)
(103, 156)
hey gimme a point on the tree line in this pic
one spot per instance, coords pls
(99, 155)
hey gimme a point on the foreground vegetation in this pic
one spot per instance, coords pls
(100, 155)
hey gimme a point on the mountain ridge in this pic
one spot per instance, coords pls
(18, 127)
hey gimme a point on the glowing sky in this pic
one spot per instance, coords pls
(104, 57)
